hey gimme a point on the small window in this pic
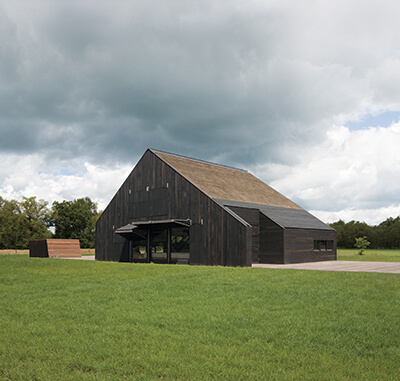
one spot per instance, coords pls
(322, 245)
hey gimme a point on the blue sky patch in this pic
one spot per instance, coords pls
(384, 119)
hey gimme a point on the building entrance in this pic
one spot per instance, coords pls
(160, 245)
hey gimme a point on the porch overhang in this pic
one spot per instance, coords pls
(129, 229)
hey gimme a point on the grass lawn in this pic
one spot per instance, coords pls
(66, 319)
(373, 255)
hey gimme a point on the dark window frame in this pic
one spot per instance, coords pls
(323, 245)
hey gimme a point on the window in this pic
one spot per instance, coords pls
(322, 245)
(139, 246)
(159, 245)
(179, 245)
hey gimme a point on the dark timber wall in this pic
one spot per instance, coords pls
(299, 245)
(271, 241)
(252, 216)
(155, 191)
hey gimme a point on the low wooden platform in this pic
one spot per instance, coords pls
(55, 248)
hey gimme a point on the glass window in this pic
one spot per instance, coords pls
(179, 244)
(159, 245)
(323, 245)
(139, 245)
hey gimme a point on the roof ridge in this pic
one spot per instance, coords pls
(198, 160)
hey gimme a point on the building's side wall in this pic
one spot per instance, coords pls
(38, 248)
(252, 216)
(299, 245)
(271, 241)
(154, 191)
(64, 248)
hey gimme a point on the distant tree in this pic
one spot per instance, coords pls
(38, 217)
(76, 220)
(340, 227)
(361, 244)
(348, 232)
(22, 221)
(12, 234)
(393, 235)
(388, 233)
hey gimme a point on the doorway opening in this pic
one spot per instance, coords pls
(160, 245)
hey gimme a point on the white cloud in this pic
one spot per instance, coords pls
(258, 84)
(31, 175)
(349, 175)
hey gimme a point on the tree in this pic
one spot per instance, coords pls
(393, 235)
(12, 229)
(22, 221)
(340, 227)
(76, 220)
(361, 244)
(388, 233)
(37, 216)
(348, 232)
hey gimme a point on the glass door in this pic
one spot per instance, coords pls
(179, 245)
(139, 246)
(159, 246)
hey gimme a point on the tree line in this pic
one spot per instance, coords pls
(386, 235)
(22, 221)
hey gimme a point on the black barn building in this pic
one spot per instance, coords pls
(174, 209)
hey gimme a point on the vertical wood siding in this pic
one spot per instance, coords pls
(252, 216)
(154, 191)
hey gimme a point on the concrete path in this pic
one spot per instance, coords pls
(84, 257)
(355, 266)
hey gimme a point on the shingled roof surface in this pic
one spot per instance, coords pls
(285, 217)
(226, 183)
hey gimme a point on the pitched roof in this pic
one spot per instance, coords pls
(284, 217)
(226, 183)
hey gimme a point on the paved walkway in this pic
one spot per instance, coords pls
(355, 266)
(84, 257)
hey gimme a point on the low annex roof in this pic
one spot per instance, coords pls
(284, 217)
(226, 183)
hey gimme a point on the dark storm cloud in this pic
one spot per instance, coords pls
(87, 86)
(182, 77)
(101, 80)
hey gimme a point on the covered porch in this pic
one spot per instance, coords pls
(162, 241)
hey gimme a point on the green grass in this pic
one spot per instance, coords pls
(373, 255)
(87, 320)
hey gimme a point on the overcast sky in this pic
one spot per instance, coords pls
(305, 95)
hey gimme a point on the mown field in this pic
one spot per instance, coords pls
(372, 255)
(67, 319)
